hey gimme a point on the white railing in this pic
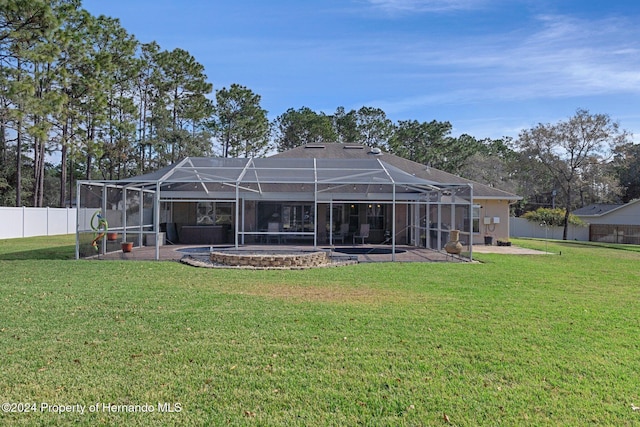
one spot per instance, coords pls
(29, 222)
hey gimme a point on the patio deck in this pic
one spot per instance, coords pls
(366, 253)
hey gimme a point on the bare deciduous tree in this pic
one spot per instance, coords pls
(568, 149)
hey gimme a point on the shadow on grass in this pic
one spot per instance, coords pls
(53, 253)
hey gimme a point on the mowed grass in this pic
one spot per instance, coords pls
(511, 340)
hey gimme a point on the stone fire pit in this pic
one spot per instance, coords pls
(270, 258)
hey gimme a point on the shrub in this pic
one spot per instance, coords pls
(552, 217)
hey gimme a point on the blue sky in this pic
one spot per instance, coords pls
(490, 67)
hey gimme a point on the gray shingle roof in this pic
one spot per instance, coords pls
(282, 170)
(357, 151)
(596, 209)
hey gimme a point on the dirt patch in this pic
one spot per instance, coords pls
(507, 250)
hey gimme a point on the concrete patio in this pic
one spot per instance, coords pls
(363, 253)
(404, 253)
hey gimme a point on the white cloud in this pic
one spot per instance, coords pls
(561, 57)
(556, 63)
(553, 57)
(583, 57)
(541, 72)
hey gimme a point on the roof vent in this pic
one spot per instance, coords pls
(376, 151)
(353, 147)
(313, 146)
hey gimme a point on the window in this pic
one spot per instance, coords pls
(298, 217)
(475, 218)
(375, 216)
(224, 213)
(337, 218)
(206, 214)
(218, 213)
(354, 218)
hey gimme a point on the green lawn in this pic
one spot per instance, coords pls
(511, 340)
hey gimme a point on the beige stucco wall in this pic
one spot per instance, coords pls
(492, 209)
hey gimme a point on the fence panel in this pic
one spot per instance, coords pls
(11, 222)
(28, 222)
(36, 222)
(612, 233)
(521, 227)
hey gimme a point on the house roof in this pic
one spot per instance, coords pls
(333, 166)
(601, 209)
(283, 170)
(343, 152)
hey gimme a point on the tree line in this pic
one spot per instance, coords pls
(81, 98)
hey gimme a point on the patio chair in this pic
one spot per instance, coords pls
(363, 234)
(273, 227)
(344, 232)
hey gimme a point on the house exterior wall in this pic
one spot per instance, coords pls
(620, 225)
(626, 215)
(186, 214)
(493, 209)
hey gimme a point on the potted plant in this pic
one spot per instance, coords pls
(127, 246)
(504, 242)
(112, 237)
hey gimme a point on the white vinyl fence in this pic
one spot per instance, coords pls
(520, 227)
(28, 222)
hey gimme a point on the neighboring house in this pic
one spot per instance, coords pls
(319, 194)
(612, 223)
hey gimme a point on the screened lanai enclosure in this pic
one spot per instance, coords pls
(275, 201)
